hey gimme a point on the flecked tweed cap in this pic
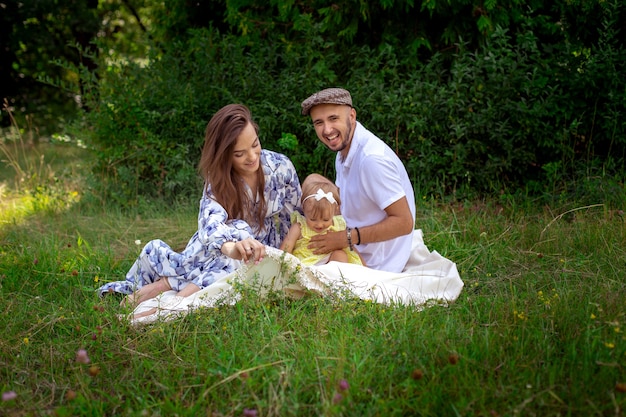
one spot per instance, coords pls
(327, 96)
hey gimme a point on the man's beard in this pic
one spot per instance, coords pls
(346, 140)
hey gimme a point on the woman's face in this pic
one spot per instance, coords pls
(247, 152)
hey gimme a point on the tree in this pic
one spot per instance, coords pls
(34, 34)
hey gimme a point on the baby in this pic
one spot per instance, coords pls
(320, 204)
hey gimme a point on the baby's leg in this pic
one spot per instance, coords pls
(339, 255)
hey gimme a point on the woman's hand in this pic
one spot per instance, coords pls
(247, 250)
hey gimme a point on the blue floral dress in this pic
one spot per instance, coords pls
(202, 262)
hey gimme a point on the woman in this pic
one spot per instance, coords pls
(249, 195)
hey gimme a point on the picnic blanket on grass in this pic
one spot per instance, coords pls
(427, 279)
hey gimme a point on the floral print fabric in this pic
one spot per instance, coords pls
(202, 262)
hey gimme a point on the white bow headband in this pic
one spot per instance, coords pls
(320, 195)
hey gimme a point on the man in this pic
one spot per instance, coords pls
(377, 197)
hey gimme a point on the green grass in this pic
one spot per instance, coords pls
(539, 329)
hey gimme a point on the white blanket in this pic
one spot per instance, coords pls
(427, 279)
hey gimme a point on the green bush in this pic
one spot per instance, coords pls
(499, 118)
(149, 122)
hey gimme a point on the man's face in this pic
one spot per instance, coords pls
(334, 125)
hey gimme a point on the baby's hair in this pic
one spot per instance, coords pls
(322, 206)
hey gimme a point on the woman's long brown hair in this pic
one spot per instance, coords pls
(216, 166)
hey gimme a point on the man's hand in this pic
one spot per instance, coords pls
(328, 242)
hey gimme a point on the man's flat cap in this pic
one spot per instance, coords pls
(327, 96)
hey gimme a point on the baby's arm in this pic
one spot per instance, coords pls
(289, 243)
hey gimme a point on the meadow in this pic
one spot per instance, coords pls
(538, 330)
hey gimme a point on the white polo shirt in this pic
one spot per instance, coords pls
(370, 179)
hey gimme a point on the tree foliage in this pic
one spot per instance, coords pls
(34, 33)
(475, 96)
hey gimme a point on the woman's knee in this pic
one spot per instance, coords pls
(163, 284)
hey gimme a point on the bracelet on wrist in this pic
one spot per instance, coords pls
(349, 235)
(358, 235)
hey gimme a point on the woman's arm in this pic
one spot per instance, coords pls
(214, 228)
(232, 238)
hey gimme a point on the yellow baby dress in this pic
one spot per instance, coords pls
(306, 256)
